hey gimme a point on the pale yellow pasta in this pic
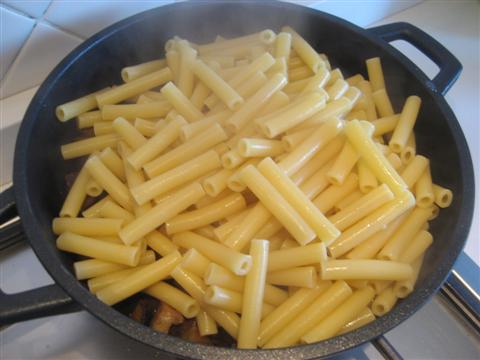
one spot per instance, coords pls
(225, 61)
(177, 299)
(128, 133)
(405, 124)
(173, 61)
(93, 189)
(102, 128)
(385, 125)
(364, 318)
(199, 95)
(113, 162)
(235, 261)
(254, 289)
(88, 119)
(318, 161)
(301, 256)
(130, 73)
(414, 170)
(186, 77)
(76, 195)
(195, 287)
(305, 51)
(229, 300)
(94, 210)
(316, 183)
(366, 179)
(253, 104)
(377, 162)
(292, 140)
(156, 216)
(289, 310)
(343, 164)
(249, 147)
(218, 275)
(134, 87)
(362, 207)
(280, 66)
(77, 107)
(344, 313)
(276, 102)
(408, 152)
(195, 262)
(306, 320)
(295, 87)
(155, 109)
(180, 102)
(382, 103)
(334, 193)
(108, 181)
(342, 204)
(332, 109)
(218, 86)
(365, 269)
(337, 89)
(207, 200)
(305, 276)
(371, 224)
(97, 283)
(334, 76)
(292, 115)
(443, 196)
(206, 231)
(375, 73)
(148, 128)
(207, 215)
(206, 324)
(372, 245)
(311, 146)
(176, 177)
(353, 94)
(256, 218)
(215, 184)
(416, 247)
(277, 205)
(156, 144)
(395, 161)
(198, 145)
(88, 146)
(188, 131)
(384, 302)
(367, 99)
(90, 268)
(139, 280)
(283, 44)
(263, 37)
(355, 79)
(232, 159)
(160, 243)
(300, 73)
(88, 227)
(102, 250)
(404, 287)
(424, 189)
(298, 200)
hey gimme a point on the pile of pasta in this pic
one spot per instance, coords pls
(250, 186)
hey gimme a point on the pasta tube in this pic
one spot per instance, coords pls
(82, 245)
(130, 73)
(181, 103)
(139, 280)
(334, 193)
(305, 276)
(253, 296)
(384, 302)
(207, 215)
(300, 256)
(236, 262)
(323, 228)
(375, 73)
(385, 125)
(382, 103)
(87, 227)
(424, 189)
(78, 106)
(154, 109)
(88, 146)
(305, 51)
(418, 245)
(186, 77)
(405, 124)
(177, 299)
(156, 216)
(403, 288)
(443, 197)
(364, 318)
(346, 312)
(343, 164)
(365, 269)
(283, 44)
(160, 243)
(277, 205)
(206, 324)
(195, 262)
(76, 195)
(414, 170)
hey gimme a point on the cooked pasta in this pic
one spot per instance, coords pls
(247, 186)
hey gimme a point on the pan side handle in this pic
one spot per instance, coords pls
(44, 301)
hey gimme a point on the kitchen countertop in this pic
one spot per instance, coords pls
(455, 24)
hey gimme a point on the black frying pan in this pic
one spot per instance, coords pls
(39, 186)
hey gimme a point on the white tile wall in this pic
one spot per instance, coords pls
(14, 31)
(28, 56)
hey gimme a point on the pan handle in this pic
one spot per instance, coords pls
(44, 301)
(450, 67)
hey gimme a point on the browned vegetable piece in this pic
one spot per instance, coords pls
(143, 310)
(165, 317)
(189, 331)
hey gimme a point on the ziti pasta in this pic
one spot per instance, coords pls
(245, 187)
